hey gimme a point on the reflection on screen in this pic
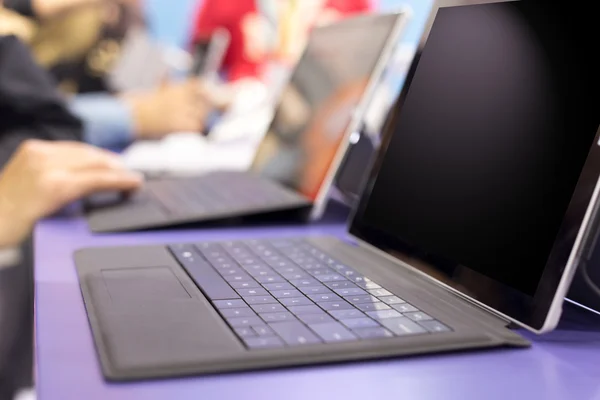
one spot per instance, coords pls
(317, 105)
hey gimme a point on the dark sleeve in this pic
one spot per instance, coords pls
(23, 7)
(30, 105)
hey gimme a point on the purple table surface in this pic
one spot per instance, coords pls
(562, 365)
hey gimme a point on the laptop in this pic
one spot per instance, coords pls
(299, 155)
(475, 215)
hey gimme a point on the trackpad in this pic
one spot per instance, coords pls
(136, 285)
(149, 320)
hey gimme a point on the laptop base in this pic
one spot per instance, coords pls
(150, 319)
(214, 198)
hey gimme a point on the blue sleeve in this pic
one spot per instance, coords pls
(107, 120)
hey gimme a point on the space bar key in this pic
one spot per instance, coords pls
(206, 277)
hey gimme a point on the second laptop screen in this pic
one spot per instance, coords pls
(317, 104)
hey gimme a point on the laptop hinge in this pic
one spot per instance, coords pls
(356, 242)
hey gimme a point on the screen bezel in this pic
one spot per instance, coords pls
(400, 20)
(537, 312)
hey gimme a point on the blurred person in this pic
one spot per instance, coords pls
(30, 106)
(264, 33)
(244, 60)
(79, 44)
(42, 177)
(262, 30)
(43, 9)
(39, 178)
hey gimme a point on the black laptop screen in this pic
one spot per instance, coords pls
(316, 107)
(485, 150)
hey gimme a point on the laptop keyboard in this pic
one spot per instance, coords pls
(278, 293)
(213, 193)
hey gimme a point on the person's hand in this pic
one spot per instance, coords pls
(42, 177)
(172, 107)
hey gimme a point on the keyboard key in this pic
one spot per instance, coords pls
(260, 300)
(300, 260)
(289, 269)
(332, 332)
(242, 277)
(350, 292)
(317, 298)
(263, 330)
(418, 316)
(269, 279)
(309, 309)
(335, 305)
(392, 300)
(256, 268)
(379, 292)
(372, 306)
(294, 275)
(263, 342)
(349, 274)
(316, 272)
(248, 261)
(278, 286)
(305, 282)
(245, 332)
(230, 271)
(280, 265)
(367, 284)
(341, 268)
(356, 323)
(244, 285)
(286, 294)
(252, 292)
(373, 333)
(340, 285)
(312, 319)
(346, 314)
(330, 278)
(434, 326)
(262, 273)
(308, 266)
(315, 290)
(222, 304)
(361, 299)
(224, 266)
(265, 308)
(205, 276)
(237, 312)
(402, 326)
(382, 314)
(242, 322)
(296, 301)
(404, 308)
(295, 333)
(278, 316)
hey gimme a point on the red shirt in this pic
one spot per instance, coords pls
(350, 7)
(236, 16)
(231, 15)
